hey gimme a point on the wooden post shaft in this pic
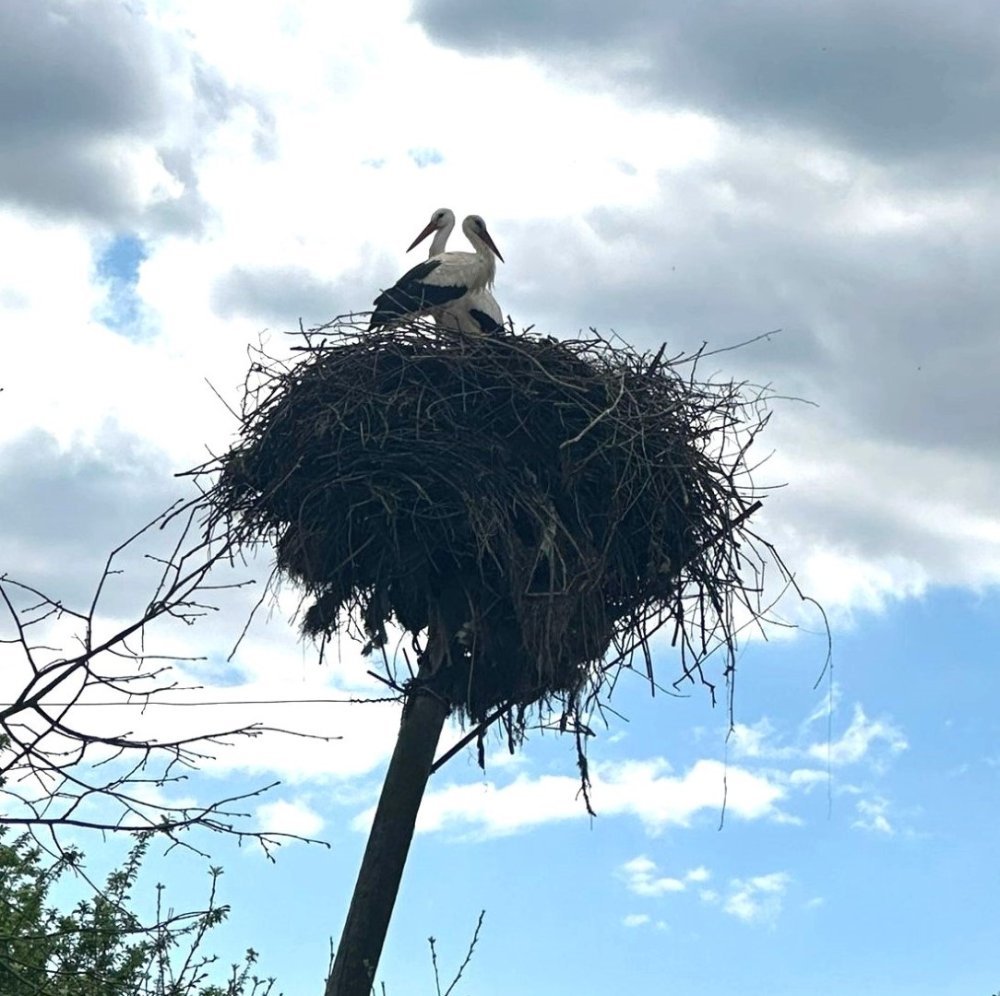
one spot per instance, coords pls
(364, 932)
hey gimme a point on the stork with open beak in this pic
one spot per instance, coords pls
(437, 286)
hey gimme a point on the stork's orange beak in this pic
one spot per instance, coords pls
(423, 235)
(488, 239)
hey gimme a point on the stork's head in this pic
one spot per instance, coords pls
(442, 218)
(475, 230)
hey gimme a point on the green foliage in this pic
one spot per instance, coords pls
(101, 947)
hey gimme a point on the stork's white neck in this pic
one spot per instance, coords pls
(441, 237)
(484, 252)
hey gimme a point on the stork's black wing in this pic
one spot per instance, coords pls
(485, 322)
(412, 296)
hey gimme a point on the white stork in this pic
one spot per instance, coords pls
(437, 286)
(476, 311)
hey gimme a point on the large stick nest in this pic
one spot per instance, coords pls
(531, 510)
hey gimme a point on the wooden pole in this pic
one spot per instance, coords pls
(360, 948)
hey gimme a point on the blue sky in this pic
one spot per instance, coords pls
(880, 878)
(691, 173)
(118, 264)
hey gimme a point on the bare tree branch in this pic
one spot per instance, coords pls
(62, 766)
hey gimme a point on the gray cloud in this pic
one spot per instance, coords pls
(187, 212)
(279, 295)
(888, 303)
(897, 78)
(61, 513)
(893, 331)
(48, 56)
(879, 266)
(81, 84)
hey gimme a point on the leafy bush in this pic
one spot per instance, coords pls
(102, 947)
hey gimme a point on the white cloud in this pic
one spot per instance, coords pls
(290, 816)
(747, 741)
(847, 581)
(278, 682)
(858, 739)
(505, 759)
(699, 874)
(643, 789)
(652, 792)
(657, 886)
(639, 866)
(774, 882)
(859, 742)
(641, 879)
(758, 899)
(635, 920)
(858, 543)
(807, 777)
(826, 705)
(873, 816)
(756, 741)
(274, 681)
